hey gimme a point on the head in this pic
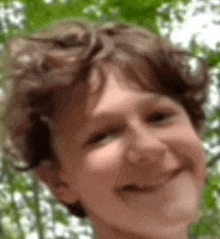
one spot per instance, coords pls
(64, 78)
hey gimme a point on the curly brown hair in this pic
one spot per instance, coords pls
(40, 66)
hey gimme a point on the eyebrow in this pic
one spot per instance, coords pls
(104, 115)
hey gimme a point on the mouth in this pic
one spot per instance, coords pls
(135, 188)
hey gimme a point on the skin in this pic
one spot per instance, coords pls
(144, 146)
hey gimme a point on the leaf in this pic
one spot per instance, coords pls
(61, 217)
(210, 197)
(21, 184)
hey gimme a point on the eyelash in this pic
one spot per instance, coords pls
(167, 115)
(96, 138)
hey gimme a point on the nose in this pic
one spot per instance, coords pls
(144, 148)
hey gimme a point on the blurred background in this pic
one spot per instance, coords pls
(27, 209)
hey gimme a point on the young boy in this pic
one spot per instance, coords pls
(111, 118)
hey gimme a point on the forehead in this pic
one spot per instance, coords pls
(106, 81)
(135, 77)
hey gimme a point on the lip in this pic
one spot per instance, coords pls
(151, 188)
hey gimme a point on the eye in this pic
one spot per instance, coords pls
(102, 138)
(97, 138)
(160, 117)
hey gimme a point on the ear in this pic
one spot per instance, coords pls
(60, 189)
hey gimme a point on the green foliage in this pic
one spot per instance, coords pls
(211, 192)
(38, 18)
(138, 12)
(61, 217)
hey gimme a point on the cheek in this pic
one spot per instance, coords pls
(188, 148)
(103, 164)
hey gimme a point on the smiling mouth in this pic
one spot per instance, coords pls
(144, 189)
(150, 188)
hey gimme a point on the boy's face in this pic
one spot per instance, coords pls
(131, 137)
